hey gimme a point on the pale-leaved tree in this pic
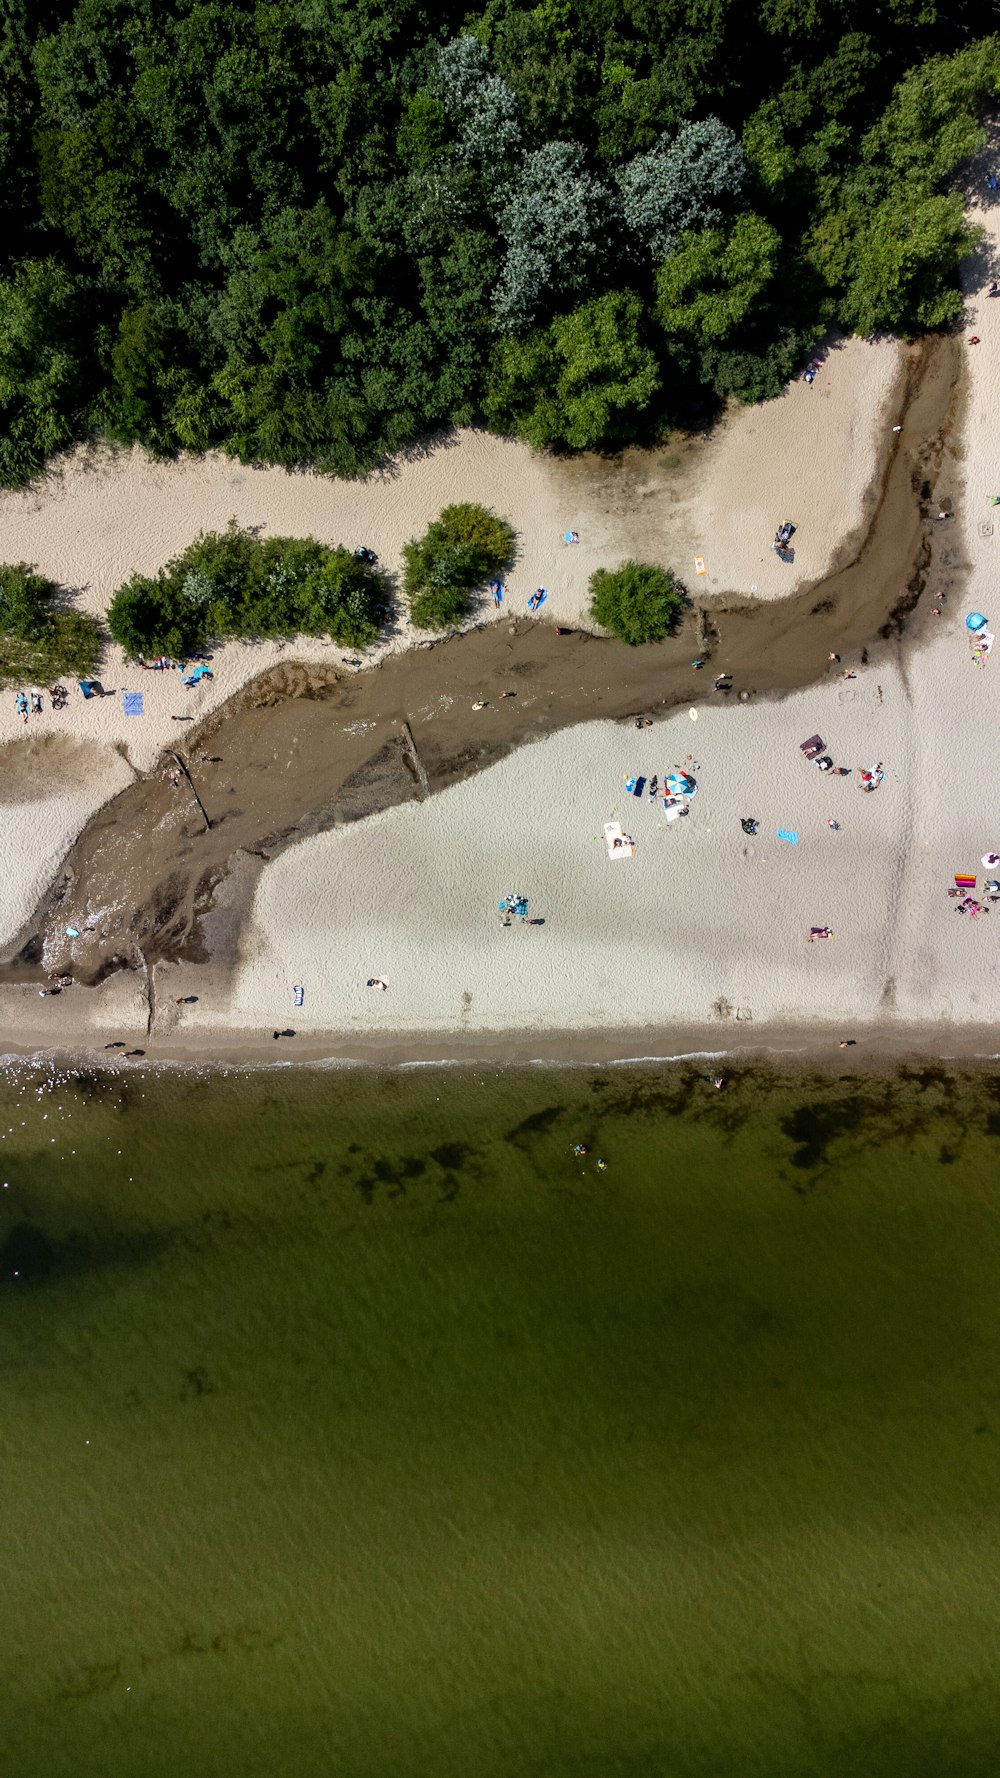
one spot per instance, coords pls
(555, 224)
(685, 182)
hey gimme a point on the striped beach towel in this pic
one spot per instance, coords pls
(965, 882)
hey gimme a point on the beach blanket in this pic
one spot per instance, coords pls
(619, 843)
(784, 833)
(699, 565)
(132, 703)
(965, 882)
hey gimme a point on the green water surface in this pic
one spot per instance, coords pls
(351, 1425)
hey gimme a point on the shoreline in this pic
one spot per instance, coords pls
(879, 1048)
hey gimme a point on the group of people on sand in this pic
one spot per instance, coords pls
(29, 703)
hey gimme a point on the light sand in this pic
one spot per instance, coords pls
(101, 515)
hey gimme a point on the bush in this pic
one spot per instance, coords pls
(457, 552)
(230, 583)
(37, 642)
(636, 602)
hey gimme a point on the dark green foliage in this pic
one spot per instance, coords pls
(580, 382)
(230, 583)
(38, 640)
(636, 602)
(457, 553)
(307, 231)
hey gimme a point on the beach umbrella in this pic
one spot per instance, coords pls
(975, 621)
(679, 784)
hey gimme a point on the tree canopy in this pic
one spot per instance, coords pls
(306, 231)
(231, 583)
(458, 552)
(636, 602)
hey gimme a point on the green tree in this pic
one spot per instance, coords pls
(422, 129)
(41, 377)
(636, 602)
(458, 552)
(582, 381)
(231, 583)
(900, 265)
(933, 120)
(710, 284)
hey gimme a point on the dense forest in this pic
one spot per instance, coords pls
(308, 231)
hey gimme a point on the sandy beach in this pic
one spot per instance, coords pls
(101, 515)
(706, 930)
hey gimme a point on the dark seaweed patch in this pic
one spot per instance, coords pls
(452, 1156)
(813, 1127)
(537, 1124)
(27, 1255)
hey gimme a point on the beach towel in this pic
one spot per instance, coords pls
(132, 703)
(699, 565)
(640, 785)
(537, 599)
(785, 834)
(965, 882)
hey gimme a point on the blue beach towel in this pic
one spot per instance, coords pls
(537, 599)
(132, 702)
(784, 833)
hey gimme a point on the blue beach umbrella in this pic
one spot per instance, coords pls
(679, 784)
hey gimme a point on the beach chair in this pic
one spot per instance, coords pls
(298, 994)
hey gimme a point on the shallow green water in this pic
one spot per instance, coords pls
(351, 1425)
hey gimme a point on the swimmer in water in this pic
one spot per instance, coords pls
(581, 1148)
(719, 1080)
(601, 1166)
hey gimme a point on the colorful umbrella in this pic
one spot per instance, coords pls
(679, 784)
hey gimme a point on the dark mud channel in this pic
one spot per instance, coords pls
(301, 750)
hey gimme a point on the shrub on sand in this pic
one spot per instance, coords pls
(636, 602)
(458, 552)
(38, 641)
(230, 583)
